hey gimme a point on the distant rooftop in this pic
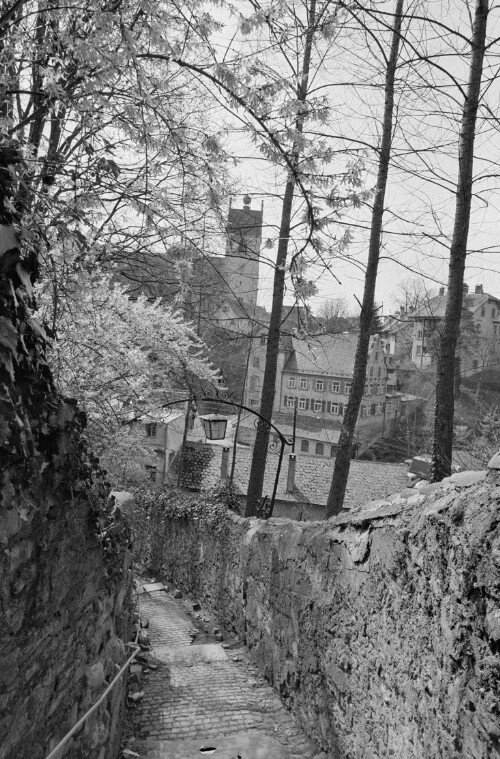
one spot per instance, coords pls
(331, 355)
(368, 480)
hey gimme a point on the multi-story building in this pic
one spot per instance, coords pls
(479, 346)
(314, 381)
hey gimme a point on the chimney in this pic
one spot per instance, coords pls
(478, 290)
(290, 478)
(441, 290)
(224, 464)
(466, 288)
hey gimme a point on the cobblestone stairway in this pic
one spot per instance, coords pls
(202, 699)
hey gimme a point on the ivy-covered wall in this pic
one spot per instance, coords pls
(380, 629)
(64, 551)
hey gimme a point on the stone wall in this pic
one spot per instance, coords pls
(380, 629)
(64, 615)
(64, 550)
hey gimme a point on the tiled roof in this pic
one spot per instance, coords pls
(331, 355)
(368, 480)
(327, 433)
(436, 306)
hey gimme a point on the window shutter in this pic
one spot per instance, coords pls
(323, 406)
(285, 400)
(329, 407)
(341, 409)
(307, 404)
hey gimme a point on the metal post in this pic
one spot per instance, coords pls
(183, 446)
(278, 470)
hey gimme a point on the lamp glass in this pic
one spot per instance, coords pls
(214, 426)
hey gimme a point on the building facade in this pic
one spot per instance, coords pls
(314, 382)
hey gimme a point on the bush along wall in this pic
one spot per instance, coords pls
(380, 628)
(65, 556)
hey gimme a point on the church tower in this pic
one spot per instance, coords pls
(241, 262)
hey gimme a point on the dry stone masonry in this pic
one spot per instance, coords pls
(64, 552)
(380, 628)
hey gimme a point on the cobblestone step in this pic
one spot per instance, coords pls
(202, 700)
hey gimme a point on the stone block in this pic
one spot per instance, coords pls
(494, 462)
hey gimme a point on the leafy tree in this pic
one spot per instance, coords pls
(112, 154)
(122, 359)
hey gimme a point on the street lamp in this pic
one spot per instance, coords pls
(215, 429)
(214, 426)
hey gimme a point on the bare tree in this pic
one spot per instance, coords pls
(343, 457)
(335, 317)
(445, 389)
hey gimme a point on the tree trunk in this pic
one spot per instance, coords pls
(343, 457)
(445, 396)
(259, 457)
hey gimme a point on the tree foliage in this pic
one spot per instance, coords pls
(122, 359)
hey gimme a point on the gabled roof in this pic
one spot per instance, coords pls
(436, 307)
(330, 355)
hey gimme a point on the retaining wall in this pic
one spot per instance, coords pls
(380, 629)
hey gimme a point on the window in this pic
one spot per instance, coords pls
(381, 389)
(256, 362)
(420, 334)
(263, 339)
(483, 311)
(379, 371)
(151, 430)
(335, 387)
(376, 357)
(347, 387)
(254, 402)
(371, 371)
(254, 383)
(320, 449)
(389, 407)
(419, 350)
(380, 408)
(304, 446)
(475, 364)
(292, 381)
(290, 401)
(303, 383)
(366, 389)
(333, 451)
(493, 312)
(302, 403)
(335, 408)
(363, 410)
(320, 385)
(318, 405)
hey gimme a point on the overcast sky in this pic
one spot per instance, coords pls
(420, 199)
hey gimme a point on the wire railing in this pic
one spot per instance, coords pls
(99, 701)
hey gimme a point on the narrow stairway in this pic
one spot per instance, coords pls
(202, 697)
